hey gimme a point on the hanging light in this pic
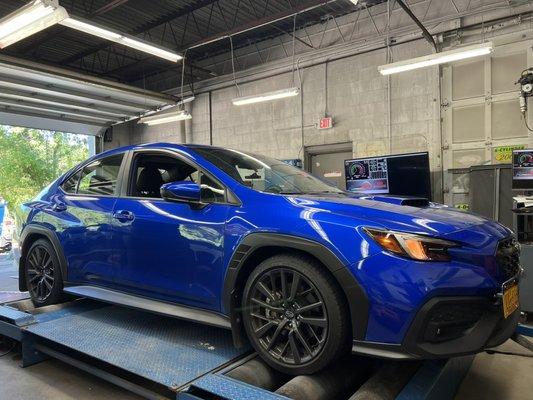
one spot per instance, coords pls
(437, 58)
(278, 94)
(30, 19)
(121, 38)
(173, 116)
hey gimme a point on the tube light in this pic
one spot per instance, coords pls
(438, 58)
(30, 19)
(278, 94)
(181, 115)
(121, 38)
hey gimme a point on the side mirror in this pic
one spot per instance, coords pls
(181, 191)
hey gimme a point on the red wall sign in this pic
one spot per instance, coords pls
(325, 123)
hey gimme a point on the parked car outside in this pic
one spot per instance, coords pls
(303, 271)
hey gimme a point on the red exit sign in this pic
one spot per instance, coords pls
(325, 123)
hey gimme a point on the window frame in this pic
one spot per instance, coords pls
(88, 162)
(127, 180)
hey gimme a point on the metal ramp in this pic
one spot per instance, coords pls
(159, 357)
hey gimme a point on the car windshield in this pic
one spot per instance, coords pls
(265, 174)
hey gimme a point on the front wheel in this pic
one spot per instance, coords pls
(43, 274)
(295, 315)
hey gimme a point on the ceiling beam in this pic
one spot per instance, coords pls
(267, 20)
(257, 23)
(425, 32)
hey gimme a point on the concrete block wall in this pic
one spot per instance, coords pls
(355, 95)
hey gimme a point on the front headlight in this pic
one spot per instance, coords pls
(417, 247)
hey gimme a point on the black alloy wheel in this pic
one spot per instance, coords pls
(294, 314)
(43, 274)
(288, 316)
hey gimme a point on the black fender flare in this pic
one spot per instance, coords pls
(355, 294)
(39, 230)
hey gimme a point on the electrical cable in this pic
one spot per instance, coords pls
(526, 123)
(182, 106)
(10, 350)
(293, 45)
(233, 66)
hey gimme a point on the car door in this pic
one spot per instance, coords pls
(82, 215)
(170, 251)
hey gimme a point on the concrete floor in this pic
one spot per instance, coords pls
(491, 376)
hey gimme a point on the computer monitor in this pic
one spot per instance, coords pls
(402, 175)
(522, 170)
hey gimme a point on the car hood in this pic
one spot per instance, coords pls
(396, 213)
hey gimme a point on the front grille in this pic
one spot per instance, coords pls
(508, 258)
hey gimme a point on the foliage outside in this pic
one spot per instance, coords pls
(30, 159)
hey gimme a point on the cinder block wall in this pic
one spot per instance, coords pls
(354, 94)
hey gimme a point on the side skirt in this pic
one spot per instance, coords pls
(158, 307)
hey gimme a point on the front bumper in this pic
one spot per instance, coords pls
(448, 327)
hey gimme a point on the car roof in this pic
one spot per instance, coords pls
(155, 145)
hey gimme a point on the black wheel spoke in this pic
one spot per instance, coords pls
(284, 293)
(302, 340)
(294, 348)
(263, 289)
(267, 306)
(275, 336)
(265, 328)
(320, 322)
(294, 286)
(303, 309)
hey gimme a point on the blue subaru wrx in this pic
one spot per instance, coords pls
(301, 270)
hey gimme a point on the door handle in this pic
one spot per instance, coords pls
(124, 215)
(59, 207)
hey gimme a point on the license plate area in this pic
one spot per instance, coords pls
(510, 298)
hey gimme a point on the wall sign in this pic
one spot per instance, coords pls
(504, 154)
(325, 123)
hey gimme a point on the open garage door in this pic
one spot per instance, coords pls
(36, 96)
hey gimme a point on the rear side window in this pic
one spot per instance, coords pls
(97, 178)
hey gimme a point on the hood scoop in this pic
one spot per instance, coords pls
(401, 201)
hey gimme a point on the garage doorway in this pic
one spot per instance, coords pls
(327, 162)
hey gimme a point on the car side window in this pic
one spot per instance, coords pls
(151, 171)
(97, 178)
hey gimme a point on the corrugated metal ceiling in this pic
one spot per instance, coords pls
(175, 24)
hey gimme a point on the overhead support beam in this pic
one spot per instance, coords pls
(425, 32)
(258, 23)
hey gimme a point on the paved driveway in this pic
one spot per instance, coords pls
(8, 273)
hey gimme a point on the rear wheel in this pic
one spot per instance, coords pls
(43, 274)
(294, 314)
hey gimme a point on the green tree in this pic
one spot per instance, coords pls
(30, 159)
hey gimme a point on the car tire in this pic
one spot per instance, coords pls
(42, 272)
(301, 330)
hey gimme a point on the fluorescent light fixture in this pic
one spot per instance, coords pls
(354, 2)
(437, 58)
(30, 19)
(167, 117)
(121, 38)
(91, 29)
(278, 94)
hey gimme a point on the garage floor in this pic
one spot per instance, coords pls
(502, 376)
